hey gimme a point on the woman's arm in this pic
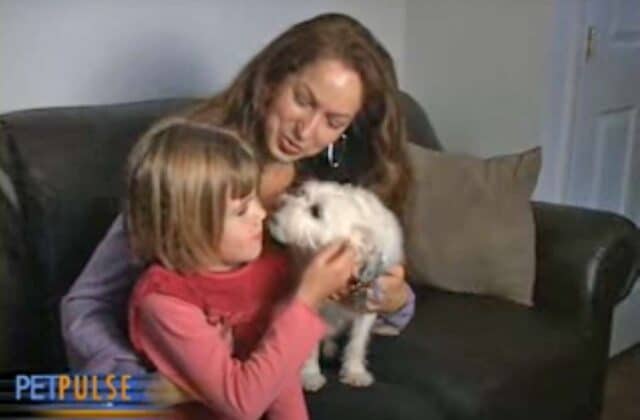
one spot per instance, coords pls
(393, 299)
(391, 323)
(93, 312)
(196, 355)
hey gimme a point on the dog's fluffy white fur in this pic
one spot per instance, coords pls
(312, 216)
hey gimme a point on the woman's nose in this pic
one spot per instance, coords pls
(307, 125)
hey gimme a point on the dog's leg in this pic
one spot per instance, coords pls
(354, 371)
(312, 377)
(329, 348)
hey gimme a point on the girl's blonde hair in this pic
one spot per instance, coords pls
(180, 175)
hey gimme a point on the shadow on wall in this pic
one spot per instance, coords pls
(158, 66)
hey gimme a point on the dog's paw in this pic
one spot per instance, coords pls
(313, 381)
(356, 377)
(329, 349)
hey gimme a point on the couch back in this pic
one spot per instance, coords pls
(61, 177)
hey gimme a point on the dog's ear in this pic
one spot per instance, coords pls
(370, 256)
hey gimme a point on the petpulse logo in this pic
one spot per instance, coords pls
(93, 388)
(78, 395)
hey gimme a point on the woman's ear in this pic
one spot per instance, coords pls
(369, 256)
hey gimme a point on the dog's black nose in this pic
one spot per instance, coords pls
(283, 199)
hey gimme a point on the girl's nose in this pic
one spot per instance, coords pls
(261, 213)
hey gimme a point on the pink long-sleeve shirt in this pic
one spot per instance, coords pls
(235, 341)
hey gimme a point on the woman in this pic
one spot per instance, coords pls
(320, 100)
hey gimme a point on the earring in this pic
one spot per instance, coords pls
(334, 161)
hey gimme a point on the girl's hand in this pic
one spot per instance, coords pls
(389, 292)
(162, 391)
(328, 272)
(353, 285)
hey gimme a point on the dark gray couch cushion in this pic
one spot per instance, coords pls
(67, 166)
(382, 401)
(463, 357)
(483, 358)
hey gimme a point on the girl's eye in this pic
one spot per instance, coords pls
(242, 210)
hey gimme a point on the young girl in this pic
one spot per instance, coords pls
(217, 314)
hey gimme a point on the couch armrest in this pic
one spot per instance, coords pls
(586, 260)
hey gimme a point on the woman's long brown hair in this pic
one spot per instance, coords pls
(244, 104)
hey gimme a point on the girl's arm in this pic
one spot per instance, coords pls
(290, 403)
(93, 311)
(196, 355)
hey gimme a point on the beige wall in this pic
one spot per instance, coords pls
(479, 68)
(71, 52)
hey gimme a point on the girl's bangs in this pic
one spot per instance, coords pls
(244, 179)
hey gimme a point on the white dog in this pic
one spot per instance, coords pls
(314, 215)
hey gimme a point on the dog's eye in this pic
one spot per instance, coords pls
(315, 211)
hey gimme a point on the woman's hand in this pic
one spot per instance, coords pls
(162, 391)
(389, 292)
(386, 294)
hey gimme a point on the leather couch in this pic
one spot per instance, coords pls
(462, 356)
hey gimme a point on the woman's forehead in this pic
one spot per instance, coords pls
(333, 85)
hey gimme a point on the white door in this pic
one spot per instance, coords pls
(604, 164)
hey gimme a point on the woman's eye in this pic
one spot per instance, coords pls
(301, 99)
(315, 211)
(336, 125)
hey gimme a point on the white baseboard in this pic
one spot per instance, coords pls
(625, 331)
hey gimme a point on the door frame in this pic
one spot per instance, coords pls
(565, 66)
(565, 58)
